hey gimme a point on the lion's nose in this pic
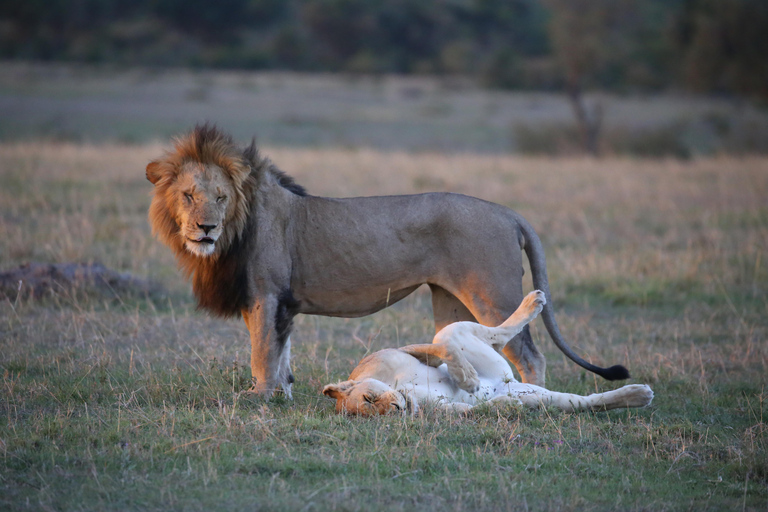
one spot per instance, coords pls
(207, 227)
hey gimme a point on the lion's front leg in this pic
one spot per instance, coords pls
(269, 323)
(284, 374)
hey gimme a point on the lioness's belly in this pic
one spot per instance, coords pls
(436, 385)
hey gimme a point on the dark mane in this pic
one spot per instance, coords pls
(208, 135)
(261, 164)
(221, 286)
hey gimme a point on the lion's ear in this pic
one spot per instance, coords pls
(337, 390)
(239, 172)
(154, 172)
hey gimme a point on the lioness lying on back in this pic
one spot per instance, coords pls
(461, 368)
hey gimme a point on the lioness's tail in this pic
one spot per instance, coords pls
(535, 252)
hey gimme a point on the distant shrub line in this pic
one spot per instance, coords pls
(704, 45)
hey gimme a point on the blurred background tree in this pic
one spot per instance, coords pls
(723, 46)
(710, 46)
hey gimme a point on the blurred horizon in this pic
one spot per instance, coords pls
(675, 78)
(97, 104)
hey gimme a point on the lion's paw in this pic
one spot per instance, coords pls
(287, 390)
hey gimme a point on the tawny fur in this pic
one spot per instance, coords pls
(254, 243)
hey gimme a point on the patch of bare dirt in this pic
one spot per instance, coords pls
(37, 280)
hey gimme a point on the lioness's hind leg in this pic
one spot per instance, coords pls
(459, 368)
(529, 309)
(498, 337)
(520, 350)
(633, 395)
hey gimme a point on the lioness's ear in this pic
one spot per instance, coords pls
(337, 390)
(154, 172)
(332, 390)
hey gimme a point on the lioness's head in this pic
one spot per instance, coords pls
(367, 397)
(199, 204)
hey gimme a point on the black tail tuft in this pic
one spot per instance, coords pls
(617, 372)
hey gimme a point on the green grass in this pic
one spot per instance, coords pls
(85, 428)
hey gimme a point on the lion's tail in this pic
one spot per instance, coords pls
(535, 252)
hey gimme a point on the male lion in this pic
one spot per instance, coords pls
(461, 368)
(255, 243)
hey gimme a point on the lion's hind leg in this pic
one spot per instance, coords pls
(448, 309)
(459, 368)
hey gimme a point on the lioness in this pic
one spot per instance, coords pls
(255, 243)
(461, 368)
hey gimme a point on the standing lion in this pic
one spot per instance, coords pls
(254, 243)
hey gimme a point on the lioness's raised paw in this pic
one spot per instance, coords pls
(533, 303)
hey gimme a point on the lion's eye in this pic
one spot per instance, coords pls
(221, 198)
(188, 197)
(369, 399)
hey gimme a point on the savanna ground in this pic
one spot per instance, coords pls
(126, 401)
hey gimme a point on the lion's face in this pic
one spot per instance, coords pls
(200, 204)
(202, 196)
(367, 397)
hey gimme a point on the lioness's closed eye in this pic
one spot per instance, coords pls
(365, 397)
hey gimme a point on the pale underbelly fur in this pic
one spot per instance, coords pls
(435, 384)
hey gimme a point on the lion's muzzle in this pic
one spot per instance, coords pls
(201, 245)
